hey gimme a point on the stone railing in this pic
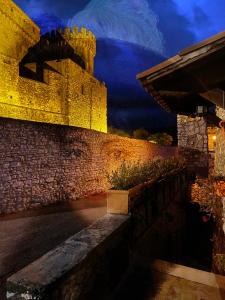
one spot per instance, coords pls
(148, 203)
(90, 264)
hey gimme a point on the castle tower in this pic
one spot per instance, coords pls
(43, 78)
(84, 44)
(17, 34)
(17, 31)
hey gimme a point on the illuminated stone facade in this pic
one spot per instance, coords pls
(193, 142)
(220, 143)
(47, 163)
(68, 93)
(192, 133)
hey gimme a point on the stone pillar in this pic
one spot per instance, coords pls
(219, 162)
(193, 142)
(220, 112)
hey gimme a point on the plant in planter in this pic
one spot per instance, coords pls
(128, 178)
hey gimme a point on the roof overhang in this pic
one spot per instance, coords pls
(194, 77)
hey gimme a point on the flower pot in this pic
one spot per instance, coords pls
(118, 202)
(122, 201)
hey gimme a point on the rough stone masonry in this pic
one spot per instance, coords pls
(46, 163)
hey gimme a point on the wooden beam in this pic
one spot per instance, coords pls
(158, 67)
(204, 43)
(175, 94)
(216, 96)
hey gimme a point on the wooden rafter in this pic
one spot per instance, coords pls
(216, 96)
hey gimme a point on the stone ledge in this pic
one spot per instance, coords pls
(190, 274)
(34, 279)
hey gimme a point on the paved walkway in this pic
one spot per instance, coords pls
(28, 235)
(168, 281)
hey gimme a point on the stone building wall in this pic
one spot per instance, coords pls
(69, 94)
(193, 142)
(219, 163)
(220, 112)
(46, 163)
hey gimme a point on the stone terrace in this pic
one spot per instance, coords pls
(28, 235)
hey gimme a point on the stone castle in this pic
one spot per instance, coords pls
(45, 82)
(50, 78)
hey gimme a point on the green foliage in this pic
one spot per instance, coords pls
(219, 260)
(127, 176)
(141, 134)
(161, 138)
(119, 132)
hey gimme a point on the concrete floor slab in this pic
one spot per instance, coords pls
(26, 236)
(167, 281)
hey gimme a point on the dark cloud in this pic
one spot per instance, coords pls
(66, 8)
(47, 23)
(176, 28)
(129, 106)
(21, 3)
(130, 119)
(200, 17)
(63, 9)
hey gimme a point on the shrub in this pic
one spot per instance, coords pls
(119, 132)
(161, 139)
(141, 134)
(127, 176)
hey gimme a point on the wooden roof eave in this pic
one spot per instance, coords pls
(156, 95)
(179, 61)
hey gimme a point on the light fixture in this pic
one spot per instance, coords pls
(201, 109)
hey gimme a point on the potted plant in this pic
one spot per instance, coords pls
(128, 181)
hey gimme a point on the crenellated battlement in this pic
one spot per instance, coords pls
(83, 42)
(76, 32)
(72, 33)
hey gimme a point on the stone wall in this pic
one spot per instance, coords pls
(17, 31)
(192, 133)
(193, 142)
(45, 163)
(210, 195)
(219, 162)
(218, 263)
(220, 112)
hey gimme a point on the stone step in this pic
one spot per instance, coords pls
(181, 282)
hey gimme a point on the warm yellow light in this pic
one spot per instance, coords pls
(214, 137)
(74, 98)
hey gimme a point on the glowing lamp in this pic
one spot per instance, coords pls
(201, 109)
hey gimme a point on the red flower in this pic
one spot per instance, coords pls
(205, 219)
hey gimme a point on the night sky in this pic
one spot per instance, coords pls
(132, 35)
